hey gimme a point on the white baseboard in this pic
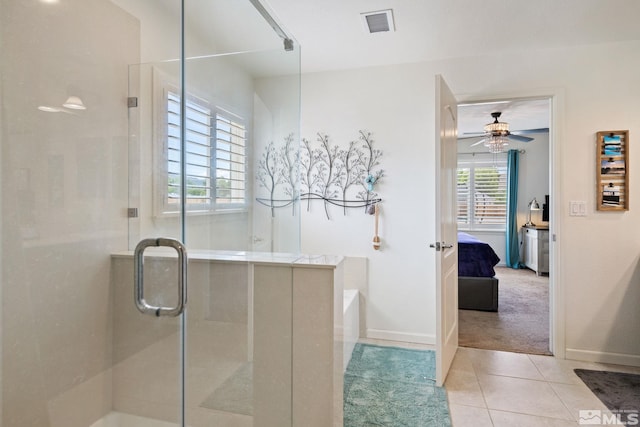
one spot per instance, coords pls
(380, 334)
(603, 357)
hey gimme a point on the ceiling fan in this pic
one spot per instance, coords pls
(500, 131)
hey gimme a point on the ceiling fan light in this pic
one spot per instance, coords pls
(497, 127)
(496, 144)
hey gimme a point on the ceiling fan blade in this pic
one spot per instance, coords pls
(478, 143)
(519, 138)
(523, 131)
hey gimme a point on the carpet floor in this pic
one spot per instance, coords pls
(521, 323)
(620, 392)
(393, 387)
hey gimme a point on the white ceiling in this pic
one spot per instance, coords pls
(520, 114)
(332, 36)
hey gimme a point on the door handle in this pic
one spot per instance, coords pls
(138, 273)
(439, 246)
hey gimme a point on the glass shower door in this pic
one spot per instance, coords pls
(195, 155)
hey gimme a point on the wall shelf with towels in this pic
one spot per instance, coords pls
(612, 175)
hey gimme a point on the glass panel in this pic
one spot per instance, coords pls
(236, 373)
(221, 385)
(68, 318)
(80, 188)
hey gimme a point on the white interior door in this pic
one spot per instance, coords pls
(446, 230)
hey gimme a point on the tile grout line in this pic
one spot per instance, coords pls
(569, 410)
(550, 382)
(543, 380)
(484, 399)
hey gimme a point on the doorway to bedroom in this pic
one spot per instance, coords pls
(504, 183)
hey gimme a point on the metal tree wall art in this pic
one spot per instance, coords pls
(267, 175)
(278, 174)
(309, 160)
(370, 159)
(344, 177)
(327, 170)
(290, 156)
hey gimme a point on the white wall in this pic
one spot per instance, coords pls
(596, 88)
(392, 103)
(276, 117)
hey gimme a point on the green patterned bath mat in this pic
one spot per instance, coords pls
(393, 387)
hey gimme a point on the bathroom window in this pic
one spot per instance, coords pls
(482, 194)
(230, 160)
(215, 143)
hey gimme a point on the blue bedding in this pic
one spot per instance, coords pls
(475, 257)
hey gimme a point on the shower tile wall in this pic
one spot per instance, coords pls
(64, 194)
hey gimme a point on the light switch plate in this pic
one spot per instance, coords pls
(577, 208)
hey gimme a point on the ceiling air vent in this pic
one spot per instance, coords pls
(378, 22)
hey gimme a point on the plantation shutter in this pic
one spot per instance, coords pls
(230, 161)
(482, 194)
(198, 152)
(464, 192)
(490, 195)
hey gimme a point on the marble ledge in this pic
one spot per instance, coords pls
(271, 258)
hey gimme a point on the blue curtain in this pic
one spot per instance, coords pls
(513, 246)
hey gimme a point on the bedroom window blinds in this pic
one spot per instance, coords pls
(482, 194)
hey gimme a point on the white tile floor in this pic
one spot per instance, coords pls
(495, 388)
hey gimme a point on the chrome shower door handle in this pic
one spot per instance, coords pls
(138, 273)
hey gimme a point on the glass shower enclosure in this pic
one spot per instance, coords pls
(134, 149)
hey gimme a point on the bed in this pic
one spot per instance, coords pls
(477, 285)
